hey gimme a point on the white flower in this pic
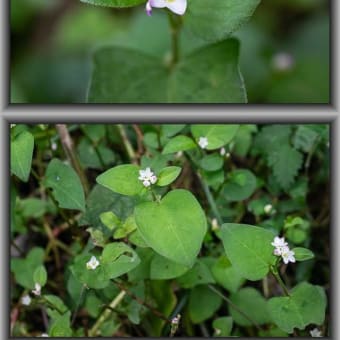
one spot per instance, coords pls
(279, 242)
(214, 224)
(26, 300)
(93, 263)
(37, 290)
(176, 319)
(268, 208)
(147, 177)
(222, 151)
(177, 6)
(316, 333)
(203, 142)
(44, 335)
(287, 255)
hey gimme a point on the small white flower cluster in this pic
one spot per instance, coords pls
(203, 142)
(93, 263)
(147, 177)
(37, 290)
(316, 333)
(282, 249)
(26, 300)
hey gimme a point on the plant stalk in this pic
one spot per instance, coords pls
(106, 313)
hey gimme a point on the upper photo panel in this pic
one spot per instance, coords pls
(170, 51)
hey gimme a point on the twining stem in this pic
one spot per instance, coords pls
(67, 144)
(207, 191)
(54, 246)
(211, 287)
(277, 276)
(78, 304)
(211, 200)
(175, 24)
(106, 313)
(127, 144)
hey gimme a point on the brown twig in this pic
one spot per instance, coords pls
(67, 144)
(140, 138)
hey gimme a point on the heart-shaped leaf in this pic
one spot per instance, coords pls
(249, 249)
(162, 268)
(66, 185)
(216, 20)
(240, 185)
(179, 143)
(122, 179)
(305, 305)
(217, 135)
(253, 303)
(21, 154)
(174, 227)
(203, 303)
(208, 75)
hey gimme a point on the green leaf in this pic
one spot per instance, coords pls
(240, 185)
(168, 175)
(203, 303)
(251, 302)
(114, 3)
(226, 275)
(170, 130)
(110, 220)
(55, 304)
(163, 294)
(223, 326)
(179, 143)
(169, 229)
(285, 162)
(218, 20)
(22, 146)
(249, 249)
(302, 254)
(199, 274)
(66, 185)
(96, 278)
(122, 179)
(162, 268)
(23, 268)
(118, 259)
(212, 162)
(208, 75)
(305, 305)
(128, 227)
(40, 275)
(61, 327)
(217, 135)
(305, 138)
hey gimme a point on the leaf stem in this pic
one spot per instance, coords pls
(141, 302)
(67, 144)
(207, 191)
(175, 24)
(277, 276)
(211, 287)
(106, 313)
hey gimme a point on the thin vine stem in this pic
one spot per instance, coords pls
(211, 287)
